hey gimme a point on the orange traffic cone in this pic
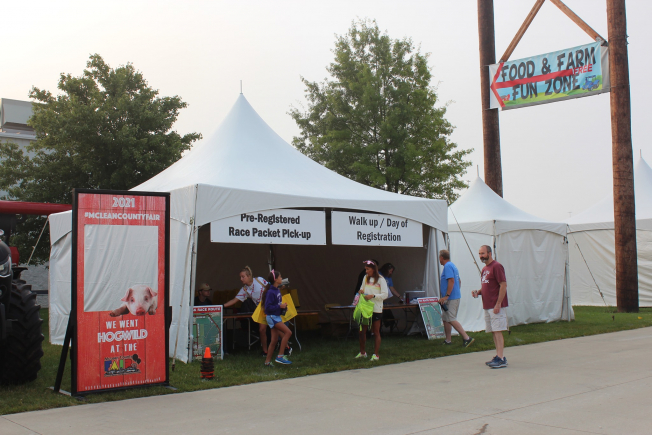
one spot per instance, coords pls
(207, 367)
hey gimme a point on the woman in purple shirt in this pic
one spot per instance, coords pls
(274, 305)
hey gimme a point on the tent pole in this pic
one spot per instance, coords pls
(568, 300)
(193, 278)
(183, 292)
(437, 262)
(495, 240)
(271, 261)
(193, 275)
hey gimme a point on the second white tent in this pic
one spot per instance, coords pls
(533, 251)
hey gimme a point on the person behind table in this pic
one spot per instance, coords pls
(361, 276)
(203, 295)
(274, 305)
(250, 295)
(450, 296)
(374, 287)
(494, 302)
(386, 271)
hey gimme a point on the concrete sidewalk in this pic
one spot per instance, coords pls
(600, 384)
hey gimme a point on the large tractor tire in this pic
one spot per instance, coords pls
(20, 354)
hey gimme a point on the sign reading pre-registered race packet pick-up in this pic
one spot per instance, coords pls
(369, 229)
(431, 314)
(120, 292)
(275, 227)
(561, 75)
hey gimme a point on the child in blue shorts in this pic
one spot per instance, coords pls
(274, 305)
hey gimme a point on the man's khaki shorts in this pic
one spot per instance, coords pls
(451, 314)
(495, 322)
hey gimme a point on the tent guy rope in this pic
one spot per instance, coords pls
(465, 241)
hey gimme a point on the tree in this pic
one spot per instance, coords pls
(107, 129)
(375, 120)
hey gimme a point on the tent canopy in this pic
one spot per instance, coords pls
(480, 208)
(530, 248)
(592, 255)
(247, 159)
(601, 215)
(246, 167)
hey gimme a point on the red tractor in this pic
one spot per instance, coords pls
(20, 323)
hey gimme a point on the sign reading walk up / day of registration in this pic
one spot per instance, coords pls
(375, 230)
(274, 227)
(561, 75)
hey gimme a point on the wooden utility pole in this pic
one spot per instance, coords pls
(623, 168)
(522, 30)
(493, 172)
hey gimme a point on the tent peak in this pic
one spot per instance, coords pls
(480, 204)
(601, 214)
(246, 155)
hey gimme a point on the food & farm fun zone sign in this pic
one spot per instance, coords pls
(561, 75)
(120, 314)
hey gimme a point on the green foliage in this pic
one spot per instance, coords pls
(375, 120)
(107, 129)
(319, 355)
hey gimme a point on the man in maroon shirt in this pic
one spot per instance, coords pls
(494, 302)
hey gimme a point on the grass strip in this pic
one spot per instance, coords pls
(320, 355)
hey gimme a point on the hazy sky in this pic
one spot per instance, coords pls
(556, 158)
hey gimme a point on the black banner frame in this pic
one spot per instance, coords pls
(71, 341)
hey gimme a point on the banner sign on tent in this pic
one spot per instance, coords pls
(274, 227)
(374, 230)
(207, 331)
(431, 314)
(120, 293)
(571, 73)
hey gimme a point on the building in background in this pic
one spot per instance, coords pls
(13, 122)
(13, 128)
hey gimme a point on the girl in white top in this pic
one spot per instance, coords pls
(373, 287)
(252, 289)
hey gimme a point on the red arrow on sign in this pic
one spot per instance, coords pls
(540, 78)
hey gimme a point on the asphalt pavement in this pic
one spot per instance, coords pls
(589, 385)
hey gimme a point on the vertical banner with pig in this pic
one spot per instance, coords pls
(120, 293)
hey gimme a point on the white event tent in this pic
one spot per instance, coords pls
(246, 167)
(592, 253)
(532, 250)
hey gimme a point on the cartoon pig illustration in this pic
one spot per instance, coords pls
(139, 300)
